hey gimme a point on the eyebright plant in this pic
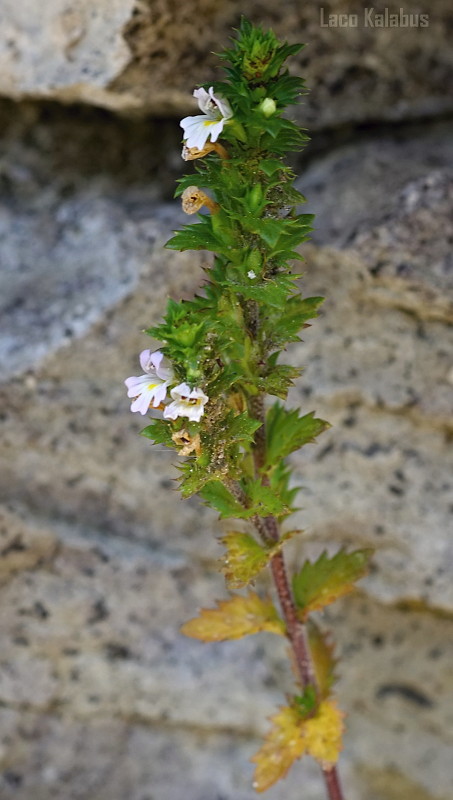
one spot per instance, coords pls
(219, 359)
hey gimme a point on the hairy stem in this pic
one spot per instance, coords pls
(332, 782)
(297, 632)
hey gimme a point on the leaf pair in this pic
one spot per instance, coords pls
(315, 586)
(261, 500)
(293, 736)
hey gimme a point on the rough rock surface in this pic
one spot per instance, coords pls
(147, 55)
(100, 696)
(62, 50)
(92, 659)
(75, 237)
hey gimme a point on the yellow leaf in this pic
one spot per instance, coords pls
(323, 733)
(234, 618)
(243, 560)
(322, 652)
(292, 735)
(245, 557)
(284, 743)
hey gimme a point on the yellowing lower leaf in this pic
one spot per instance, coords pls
(243, 560)
(328, 578)
(284, 743)
(234, 618)
(245, 557)
(323, 733)
(322, 652)
(292, 735)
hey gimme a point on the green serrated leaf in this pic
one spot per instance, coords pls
(270, 165)
(272, 292)
(195, 476)
(286, 326)
(278, 380)
(280, 478)
(216, 495)
(160, 431)
(286, 431)
(330, 577)
(264, 500)
(194, 237)
(240, 427)
(270, 230)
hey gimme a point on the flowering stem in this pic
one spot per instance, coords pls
(224, 346)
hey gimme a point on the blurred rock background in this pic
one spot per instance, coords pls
(100, 696)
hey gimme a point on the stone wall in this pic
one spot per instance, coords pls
(100, 696)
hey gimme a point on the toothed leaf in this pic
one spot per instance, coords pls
(322, 652)
(243, 560)
(292, 735)
(286, 431)
(235, 618)
(216, 495)
(245, 557)
(320, 583)
(324, 732)
(283, 745)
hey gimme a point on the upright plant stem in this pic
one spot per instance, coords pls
(332, 782)
(297, 632)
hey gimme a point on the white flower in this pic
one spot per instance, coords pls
(216, 111)
(212, 104)
(187, 402)
(251, 274)
(150, 388)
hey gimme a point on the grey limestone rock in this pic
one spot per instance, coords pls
(146, 56)
(101, 695)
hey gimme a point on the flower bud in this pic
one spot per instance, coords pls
(268, 107)
(255, 197)
(254, 261)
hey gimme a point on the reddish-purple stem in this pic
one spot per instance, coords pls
(296, 630)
